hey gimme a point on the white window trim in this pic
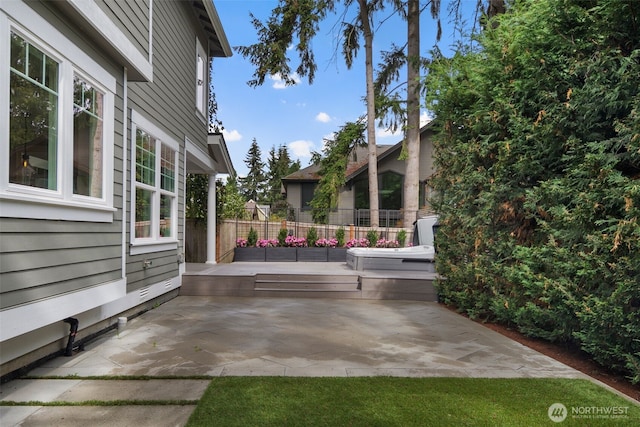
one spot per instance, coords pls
(152, 244)
(29, 202)
(202, 107)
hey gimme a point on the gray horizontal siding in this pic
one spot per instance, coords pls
(132, 17)
(43, 259)
(35, 293)
(164, 267)
(169, 101)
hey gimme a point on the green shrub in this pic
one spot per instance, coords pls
(312, 236)
(402, 237)
(372, 237)
(538, 160)
(282, 236)
(252, 237)
(340, 237)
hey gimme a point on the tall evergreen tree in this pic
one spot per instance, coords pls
(333, 165)
(279, 165)
(538, 160)
(253, 186)
(299, 19)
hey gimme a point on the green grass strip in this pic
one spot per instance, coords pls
(390, 401)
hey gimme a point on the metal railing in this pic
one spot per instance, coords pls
(298, 222)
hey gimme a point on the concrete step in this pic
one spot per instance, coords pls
(299, 284)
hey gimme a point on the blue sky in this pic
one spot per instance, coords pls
(300, 116)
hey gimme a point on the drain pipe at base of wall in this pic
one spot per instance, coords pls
(73, 329)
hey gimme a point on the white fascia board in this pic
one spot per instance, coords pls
(199, 156)
(110, 32)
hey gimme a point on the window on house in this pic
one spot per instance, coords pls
(33, 116)
(389, 191)
(201, 79)
(88, 138)
(306, 194)
(59, 131)
(155, 192)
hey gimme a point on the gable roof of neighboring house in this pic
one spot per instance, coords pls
(311, 173)
(354, 168)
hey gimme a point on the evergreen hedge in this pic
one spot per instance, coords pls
(538, 183)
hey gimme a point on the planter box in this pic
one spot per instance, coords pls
(313, 254)
(337, 254)
(249, 254)
(281, 255)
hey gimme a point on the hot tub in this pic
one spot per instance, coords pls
(420, 258)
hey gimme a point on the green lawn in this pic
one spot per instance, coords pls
(386, 401)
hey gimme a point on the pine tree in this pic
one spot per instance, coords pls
(252, 186)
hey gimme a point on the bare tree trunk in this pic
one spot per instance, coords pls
(371, 115)
(412, 133)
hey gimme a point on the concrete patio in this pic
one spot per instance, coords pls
(239, 336)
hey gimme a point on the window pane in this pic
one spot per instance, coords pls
(167, 169)
(87, 139)
(145, 158)
(143, 212)
(307, 190)
(361, 194)
(200, 84)
(18, 53)
(166, 203)
(33, 132)
(390, 191)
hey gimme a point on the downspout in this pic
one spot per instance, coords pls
(125, 175)
(73, 329)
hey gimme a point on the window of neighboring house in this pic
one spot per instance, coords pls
(426, 193)
(155, 186)
(389, 191)
(60, 138)
(306, 194)
(201, 79)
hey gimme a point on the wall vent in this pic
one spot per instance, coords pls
(144, 293)
(168, 285)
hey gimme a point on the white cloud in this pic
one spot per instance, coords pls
(425, 118)
(386, 133)
(279, 83)
(230, 136)
(323, 117)
(301, 148)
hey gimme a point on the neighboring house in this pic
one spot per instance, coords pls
(103, 110)
(354, 196)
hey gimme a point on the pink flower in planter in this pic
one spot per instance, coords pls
(382, 243)
(267, 243)
(328, 243)
(295, 242)
(358, 243)
(241, 243)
